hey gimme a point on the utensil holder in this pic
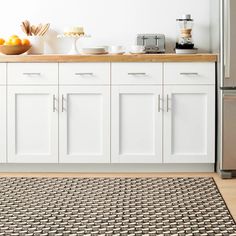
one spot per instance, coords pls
(37, 43)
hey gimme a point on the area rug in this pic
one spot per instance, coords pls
(113, 206)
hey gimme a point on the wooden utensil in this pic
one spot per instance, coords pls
(33, 29)
(24, 29)
(30, 30)
(44, 29)
(27, 25)
(39, 27)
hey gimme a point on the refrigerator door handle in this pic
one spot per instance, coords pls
(228, 88)
(227, 39)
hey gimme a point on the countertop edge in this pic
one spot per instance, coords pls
(208, 57)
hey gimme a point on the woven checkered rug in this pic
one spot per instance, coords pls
(113, 206)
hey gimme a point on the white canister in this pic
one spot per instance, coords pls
(37, 43)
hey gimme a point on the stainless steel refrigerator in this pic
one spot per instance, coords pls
(223, 42)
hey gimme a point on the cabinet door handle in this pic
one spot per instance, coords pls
(137, 74)
(62, 103)
(84, 74)
(189, 73)
(54, 103)
(167, 103)
(32, 73)
(159, 103)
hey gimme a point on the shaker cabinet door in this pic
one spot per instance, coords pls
(3, 124)
(84, 124)
(189, 124)
(136, 129)
(32, 124)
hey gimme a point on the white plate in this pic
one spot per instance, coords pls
(95, 50)
(137, 52)
(117, 53)
(95, 53)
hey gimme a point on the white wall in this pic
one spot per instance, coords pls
(110, 22)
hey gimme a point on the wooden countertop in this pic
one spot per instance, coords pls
(112, 58)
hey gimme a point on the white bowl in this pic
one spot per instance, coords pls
(117, 49)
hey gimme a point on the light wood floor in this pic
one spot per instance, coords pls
(226, 187)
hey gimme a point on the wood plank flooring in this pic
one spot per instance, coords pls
(226, 187)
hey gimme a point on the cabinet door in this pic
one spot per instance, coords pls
(189, 124)
(3, 73)
(32, 124)
(136, 124)
(84, 124)
(3, 124)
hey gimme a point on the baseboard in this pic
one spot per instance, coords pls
(107, 168)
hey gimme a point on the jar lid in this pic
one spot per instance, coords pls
(185, 17)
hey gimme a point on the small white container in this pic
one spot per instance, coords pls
(117, 49)
(37, 43)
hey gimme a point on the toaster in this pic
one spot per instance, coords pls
(154, 43)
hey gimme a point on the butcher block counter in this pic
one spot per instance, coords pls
(112, 58)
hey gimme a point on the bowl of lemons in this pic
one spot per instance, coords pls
(14, 45)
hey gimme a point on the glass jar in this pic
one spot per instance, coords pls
(185, 26)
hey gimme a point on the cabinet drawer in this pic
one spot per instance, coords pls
(136, 73)
(2, 73)
(189, 73)
(84, 73)
(32, 73)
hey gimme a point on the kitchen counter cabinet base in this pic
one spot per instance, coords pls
(132, 121)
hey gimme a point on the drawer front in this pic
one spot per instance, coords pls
(2, 73)
(136, 73)
(189, 73)
(32, 73)
(84, 73)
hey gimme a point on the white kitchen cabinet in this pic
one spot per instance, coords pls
(137, 73)
(84, 73)
(84, 124)
(32, 73)
(107, 112)
(3, 73)
(32, 124)
(136, 124)
(3, 124)
(189, 73)
(189, 124)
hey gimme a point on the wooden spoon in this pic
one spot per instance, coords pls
(45, 29)
(28, 27)
(24, 29)
(39, 27)
(33, 29)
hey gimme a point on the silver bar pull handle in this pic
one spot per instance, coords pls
(167, 103)
(159, 103)
(84, 74)
(54, 103)
(137, 74)
(62, 103)
(189, 73)
(32, 73)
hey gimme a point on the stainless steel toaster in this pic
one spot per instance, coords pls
(154, 43)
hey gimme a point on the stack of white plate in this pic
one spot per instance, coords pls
(94, 50)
